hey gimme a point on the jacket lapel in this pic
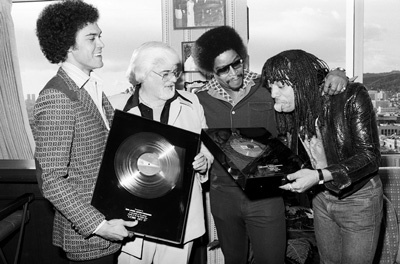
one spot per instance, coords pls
(86, 100)
(89, 104)
(108, 109)
(174, 111)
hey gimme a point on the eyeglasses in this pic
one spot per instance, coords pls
(167, 75)
(236, 65)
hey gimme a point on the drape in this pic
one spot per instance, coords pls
(16, 138)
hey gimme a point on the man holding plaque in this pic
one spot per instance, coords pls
(235, 98)
(153, 71)
(342, 144)
(71, 130)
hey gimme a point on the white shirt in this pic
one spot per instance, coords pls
(93, 85)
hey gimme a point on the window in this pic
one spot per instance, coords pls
(362, 36)
(324, 28)
(381, 49)
(318, 27)
(125, 24)
(381, 36)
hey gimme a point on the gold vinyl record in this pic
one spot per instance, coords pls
(147, 165)
(247, 147)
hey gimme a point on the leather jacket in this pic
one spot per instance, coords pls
(350, 137)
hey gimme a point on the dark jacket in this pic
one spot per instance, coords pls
(350, 136)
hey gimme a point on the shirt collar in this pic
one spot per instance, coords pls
(78, 76)
(133, 101)
(214, 88)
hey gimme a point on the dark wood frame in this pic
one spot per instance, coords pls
(186, 53)
(206, 15)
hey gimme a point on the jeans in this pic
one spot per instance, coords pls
(347, 230)
(239, 219)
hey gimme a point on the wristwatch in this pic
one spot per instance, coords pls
(321, 177)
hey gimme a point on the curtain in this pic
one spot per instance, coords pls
(16, 138)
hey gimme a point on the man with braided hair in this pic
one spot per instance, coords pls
(340, 137)
(235, 98)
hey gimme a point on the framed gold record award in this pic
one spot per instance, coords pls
(146, 174)
(257, 162)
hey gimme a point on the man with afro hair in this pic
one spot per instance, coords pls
(234, 98)
(72, 120)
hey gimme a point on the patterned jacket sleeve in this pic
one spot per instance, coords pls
(55, 128)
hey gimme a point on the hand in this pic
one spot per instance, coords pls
(303, 180)
(114, 230)
(335, 82)
(200, 163)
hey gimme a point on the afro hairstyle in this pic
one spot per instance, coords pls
(215, 42)
(58, 24)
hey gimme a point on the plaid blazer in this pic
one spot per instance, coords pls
(70, 137)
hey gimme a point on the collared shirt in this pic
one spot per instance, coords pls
(216, 90)
(93, 85)
(146, 111)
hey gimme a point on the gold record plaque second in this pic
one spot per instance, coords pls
(256, 161)
(147, 165)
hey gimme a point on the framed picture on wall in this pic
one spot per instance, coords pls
(187, 59)
(191, 14)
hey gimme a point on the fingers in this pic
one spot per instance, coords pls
(335, 82)
(199, 156)
(326, 88)
(340, 88)
(288, 187)
(207, 154)
(200, 162)
(130, 234)
(292, 177)
(116, 229)
(130, 223)
(291, 186)
(332, 88)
